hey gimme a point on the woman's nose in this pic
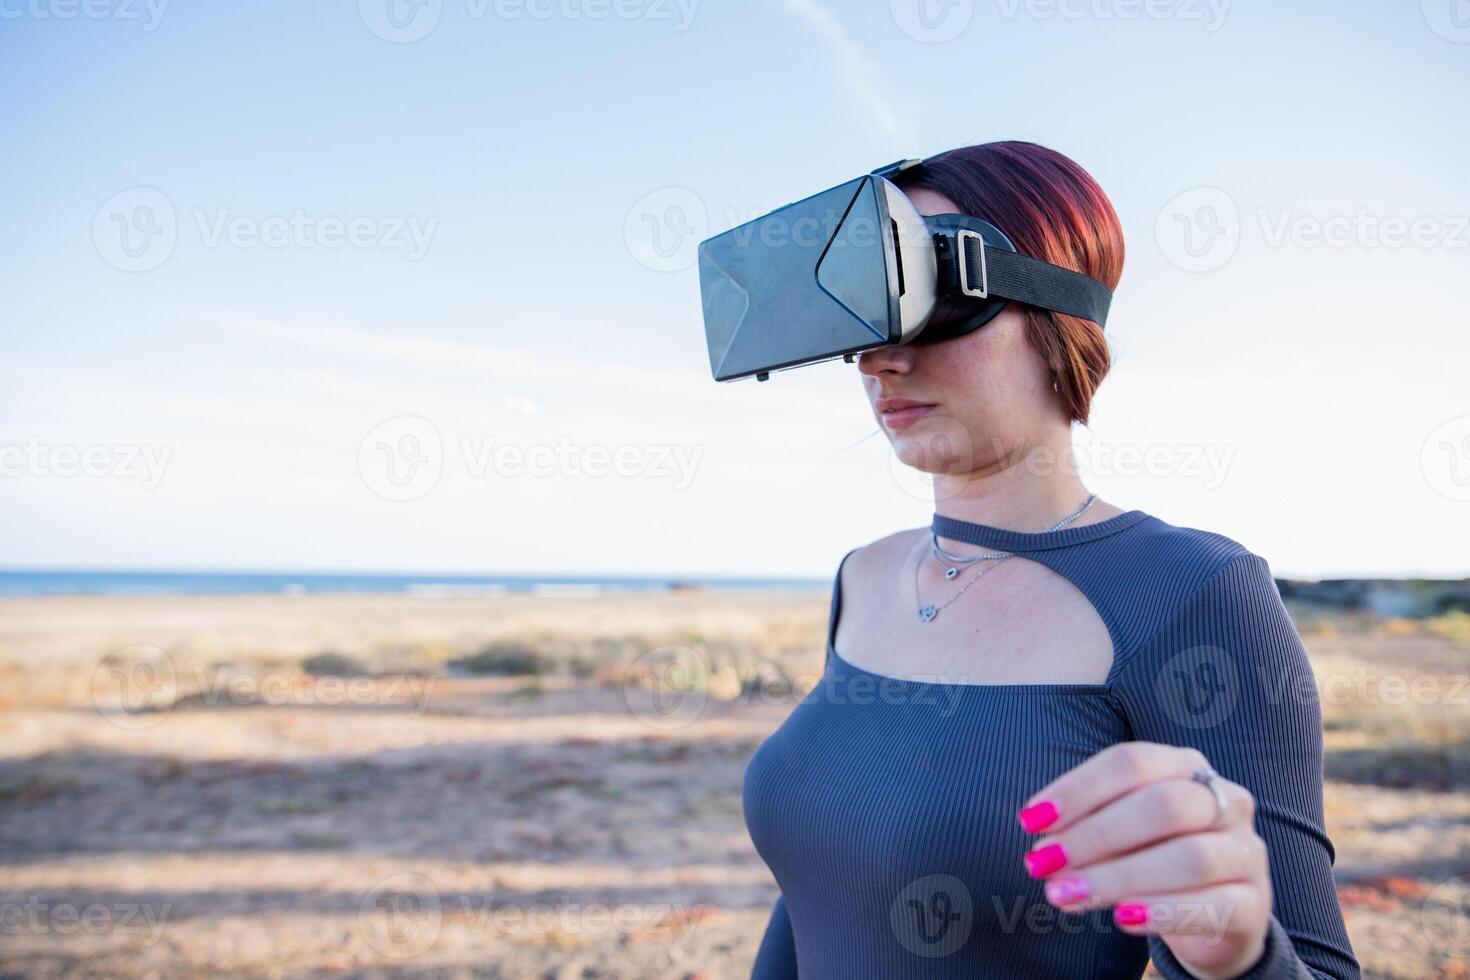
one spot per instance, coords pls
(896, 358)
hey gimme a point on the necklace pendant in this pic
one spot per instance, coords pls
(927, 613)
(951, 572)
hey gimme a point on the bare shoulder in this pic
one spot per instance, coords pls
(866, 563)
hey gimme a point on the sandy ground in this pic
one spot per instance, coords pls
(179, 798)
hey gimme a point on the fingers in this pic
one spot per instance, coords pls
(1152, 813)
(1216, 931)
(1181, 864)
(1112, 773)
(1214, 911)
(1128, 828)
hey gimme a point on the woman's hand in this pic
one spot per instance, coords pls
(1130, 829)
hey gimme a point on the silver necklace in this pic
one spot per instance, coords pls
(958, 563)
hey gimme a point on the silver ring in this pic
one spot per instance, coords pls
(1210, 778)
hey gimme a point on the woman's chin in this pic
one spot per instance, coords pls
(933, 445)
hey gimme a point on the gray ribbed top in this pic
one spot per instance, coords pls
(886, 808)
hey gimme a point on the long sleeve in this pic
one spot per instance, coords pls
(1227, 674)
(776, 958)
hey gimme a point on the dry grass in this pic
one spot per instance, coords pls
(396, 785)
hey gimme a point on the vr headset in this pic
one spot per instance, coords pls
(857, 267)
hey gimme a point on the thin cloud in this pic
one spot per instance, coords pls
(859, 72)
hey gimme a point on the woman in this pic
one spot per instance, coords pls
(1108, 750)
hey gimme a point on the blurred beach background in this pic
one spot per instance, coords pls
(387, 590)
(538, 785)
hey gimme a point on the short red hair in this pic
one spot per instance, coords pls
(1052, 210)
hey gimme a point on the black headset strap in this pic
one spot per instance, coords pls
(1010, 275)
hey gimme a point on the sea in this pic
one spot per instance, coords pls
(21, 583)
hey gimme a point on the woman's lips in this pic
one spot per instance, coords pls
(898, 418)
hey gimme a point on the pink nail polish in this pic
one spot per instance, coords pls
(1131, 914)
(1037, 816)
(1042, 861)
(1066, 890)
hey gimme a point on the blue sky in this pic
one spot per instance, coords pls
(352, 235)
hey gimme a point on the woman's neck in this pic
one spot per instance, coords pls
(1027, 494)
